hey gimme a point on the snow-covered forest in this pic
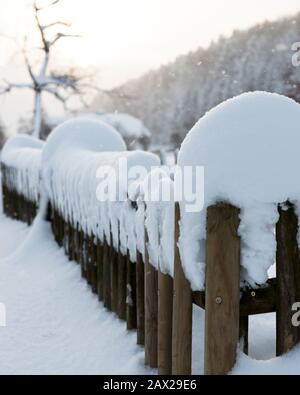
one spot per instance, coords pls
(171, 99)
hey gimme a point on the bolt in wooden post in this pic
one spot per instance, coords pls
(182, 312)
(165, 320)
(288, 279)
(222, 289)
(151, 311)
(140, 298)
(131, 295)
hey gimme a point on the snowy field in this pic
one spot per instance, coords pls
(56, 326)
(54, 323)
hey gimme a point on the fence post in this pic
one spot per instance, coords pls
(88, 260)
(106, 275)
(182, 312)
(222, 289)
(288, 278)
(66, 237)
(244, 333)
(140, 298)
(151, 310)
(75, 245)
(165, 317)
(131, 295)
(93, 254)
(73, 242)
(121, 285)
(82, 252)
(114, 278)
(85, 257)
(100, 270)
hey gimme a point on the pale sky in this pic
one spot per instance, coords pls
(122, 39)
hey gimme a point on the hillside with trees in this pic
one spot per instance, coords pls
(171, 99)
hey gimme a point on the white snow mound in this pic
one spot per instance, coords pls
(23, 153)
(17, 147)
(249, 146)
(73, 158)
(83, 134)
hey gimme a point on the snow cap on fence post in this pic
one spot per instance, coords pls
(23, 153)
(249, 148)
(68, 160)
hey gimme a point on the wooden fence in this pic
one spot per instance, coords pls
(160, 308)
(15, 205)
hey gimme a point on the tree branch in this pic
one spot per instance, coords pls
(39, 25)
(4, 90)
(59, 23)
(40, 8)
(62, 35)
(10, 86)
(56, 94)
(28, 65)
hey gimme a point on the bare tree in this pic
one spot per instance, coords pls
(59, 85)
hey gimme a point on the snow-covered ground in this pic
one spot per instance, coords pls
(54, 323)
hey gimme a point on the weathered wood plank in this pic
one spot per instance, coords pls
(100, 287)
(89, 260)
(140, 299)
(253, 302)
(288, 278)
(244, 334)
(259, 301)
(131, 317)
(94, 265)
(151, 310)
(114, 280)
(84, 256)
(122, 286)
(165, 321)
(182, 312)
(106, 275)
(222, 289)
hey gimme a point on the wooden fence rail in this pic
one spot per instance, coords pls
(160, 308)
